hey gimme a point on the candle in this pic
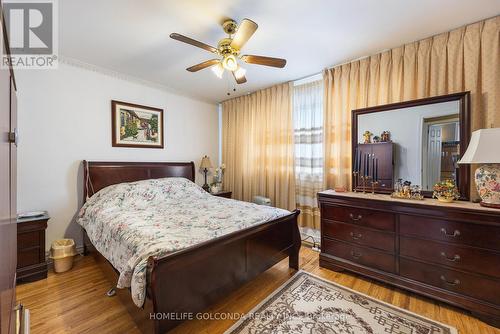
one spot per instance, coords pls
(376, 169)
(363, 165)
(367, 164)
(359, 161)
(373, 167)
(356, 160)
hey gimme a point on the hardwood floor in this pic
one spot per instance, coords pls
(76, 301)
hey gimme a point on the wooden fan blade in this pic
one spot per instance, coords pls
(205, 64)
(193, 42)
(239, 80)
(245, 30)
(266, 61)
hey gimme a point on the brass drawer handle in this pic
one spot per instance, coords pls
(356, 236)
(455, 258)
(355, 255)
(359, 217)
(455, 281)
(455, 234)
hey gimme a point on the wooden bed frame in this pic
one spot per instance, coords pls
(188, 281)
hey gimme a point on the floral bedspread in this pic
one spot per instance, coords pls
(129, 222)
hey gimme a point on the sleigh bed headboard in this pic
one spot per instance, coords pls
(100, 174)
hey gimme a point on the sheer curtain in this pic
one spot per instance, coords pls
(308, 135)
(464, 59)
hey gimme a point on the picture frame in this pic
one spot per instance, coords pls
(137, 126)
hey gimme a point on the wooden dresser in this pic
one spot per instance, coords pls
(450, 252)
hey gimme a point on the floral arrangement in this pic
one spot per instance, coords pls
(216, 184)
(219, 174)
(446, 191)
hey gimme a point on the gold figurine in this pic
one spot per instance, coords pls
(367, 137)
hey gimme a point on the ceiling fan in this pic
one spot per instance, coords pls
(228, 51)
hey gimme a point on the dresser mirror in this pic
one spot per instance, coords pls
(417, 141)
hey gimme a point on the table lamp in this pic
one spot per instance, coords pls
(205, 166)
(484, 150)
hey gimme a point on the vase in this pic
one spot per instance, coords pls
(214, 189)
(487, 179)
(445, 199)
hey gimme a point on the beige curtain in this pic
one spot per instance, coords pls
(257, 146)
(308, 129)
(465, 59)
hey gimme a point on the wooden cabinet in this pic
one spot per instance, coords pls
(450, 252)
(31, 262)
(225, 194)
(384, 153)
(8, 258)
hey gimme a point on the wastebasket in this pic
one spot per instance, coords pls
(62, 252)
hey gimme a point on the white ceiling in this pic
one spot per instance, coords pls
(131, 36)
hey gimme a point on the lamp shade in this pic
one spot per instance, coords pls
(205, 163)
(483, 147)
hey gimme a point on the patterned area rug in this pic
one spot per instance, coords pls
(309, 304)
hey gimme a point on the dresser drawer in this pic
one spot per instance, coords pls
(365, 256)
(450, 231)
(361, 217)
(456, 256)
(359, 235)
(452, 280)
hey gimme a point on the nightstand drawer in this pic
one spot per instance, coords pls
(28, 239)
(28, 257)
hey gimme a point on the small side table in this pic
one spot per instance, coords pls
(31, 261)
(226, 194)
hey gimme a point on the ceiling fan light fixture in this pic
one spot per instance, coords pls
(228, 51)
(230, 63)
(218, 70)
(240, 72)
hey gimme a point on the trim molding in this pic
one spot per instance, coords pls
(125, 77)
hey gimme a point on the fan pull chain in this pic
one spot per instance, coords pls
(229, 85)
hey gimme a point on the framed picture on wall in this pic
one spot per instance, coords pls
(134, 125)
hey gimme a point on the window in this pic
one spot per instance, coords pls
(308, 133)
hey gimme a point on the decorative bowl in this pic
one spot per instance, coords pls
(445, 199)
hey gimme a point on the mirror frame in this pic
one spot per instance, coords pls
(465, 133)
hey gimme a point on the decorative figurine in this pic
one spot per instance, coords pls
(385, 137)
(376, 139)
(446, 191)
(404, 190)
(367, 137)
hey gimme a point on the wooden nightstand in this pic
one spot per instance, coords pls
(226, 194)
(31, 262)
